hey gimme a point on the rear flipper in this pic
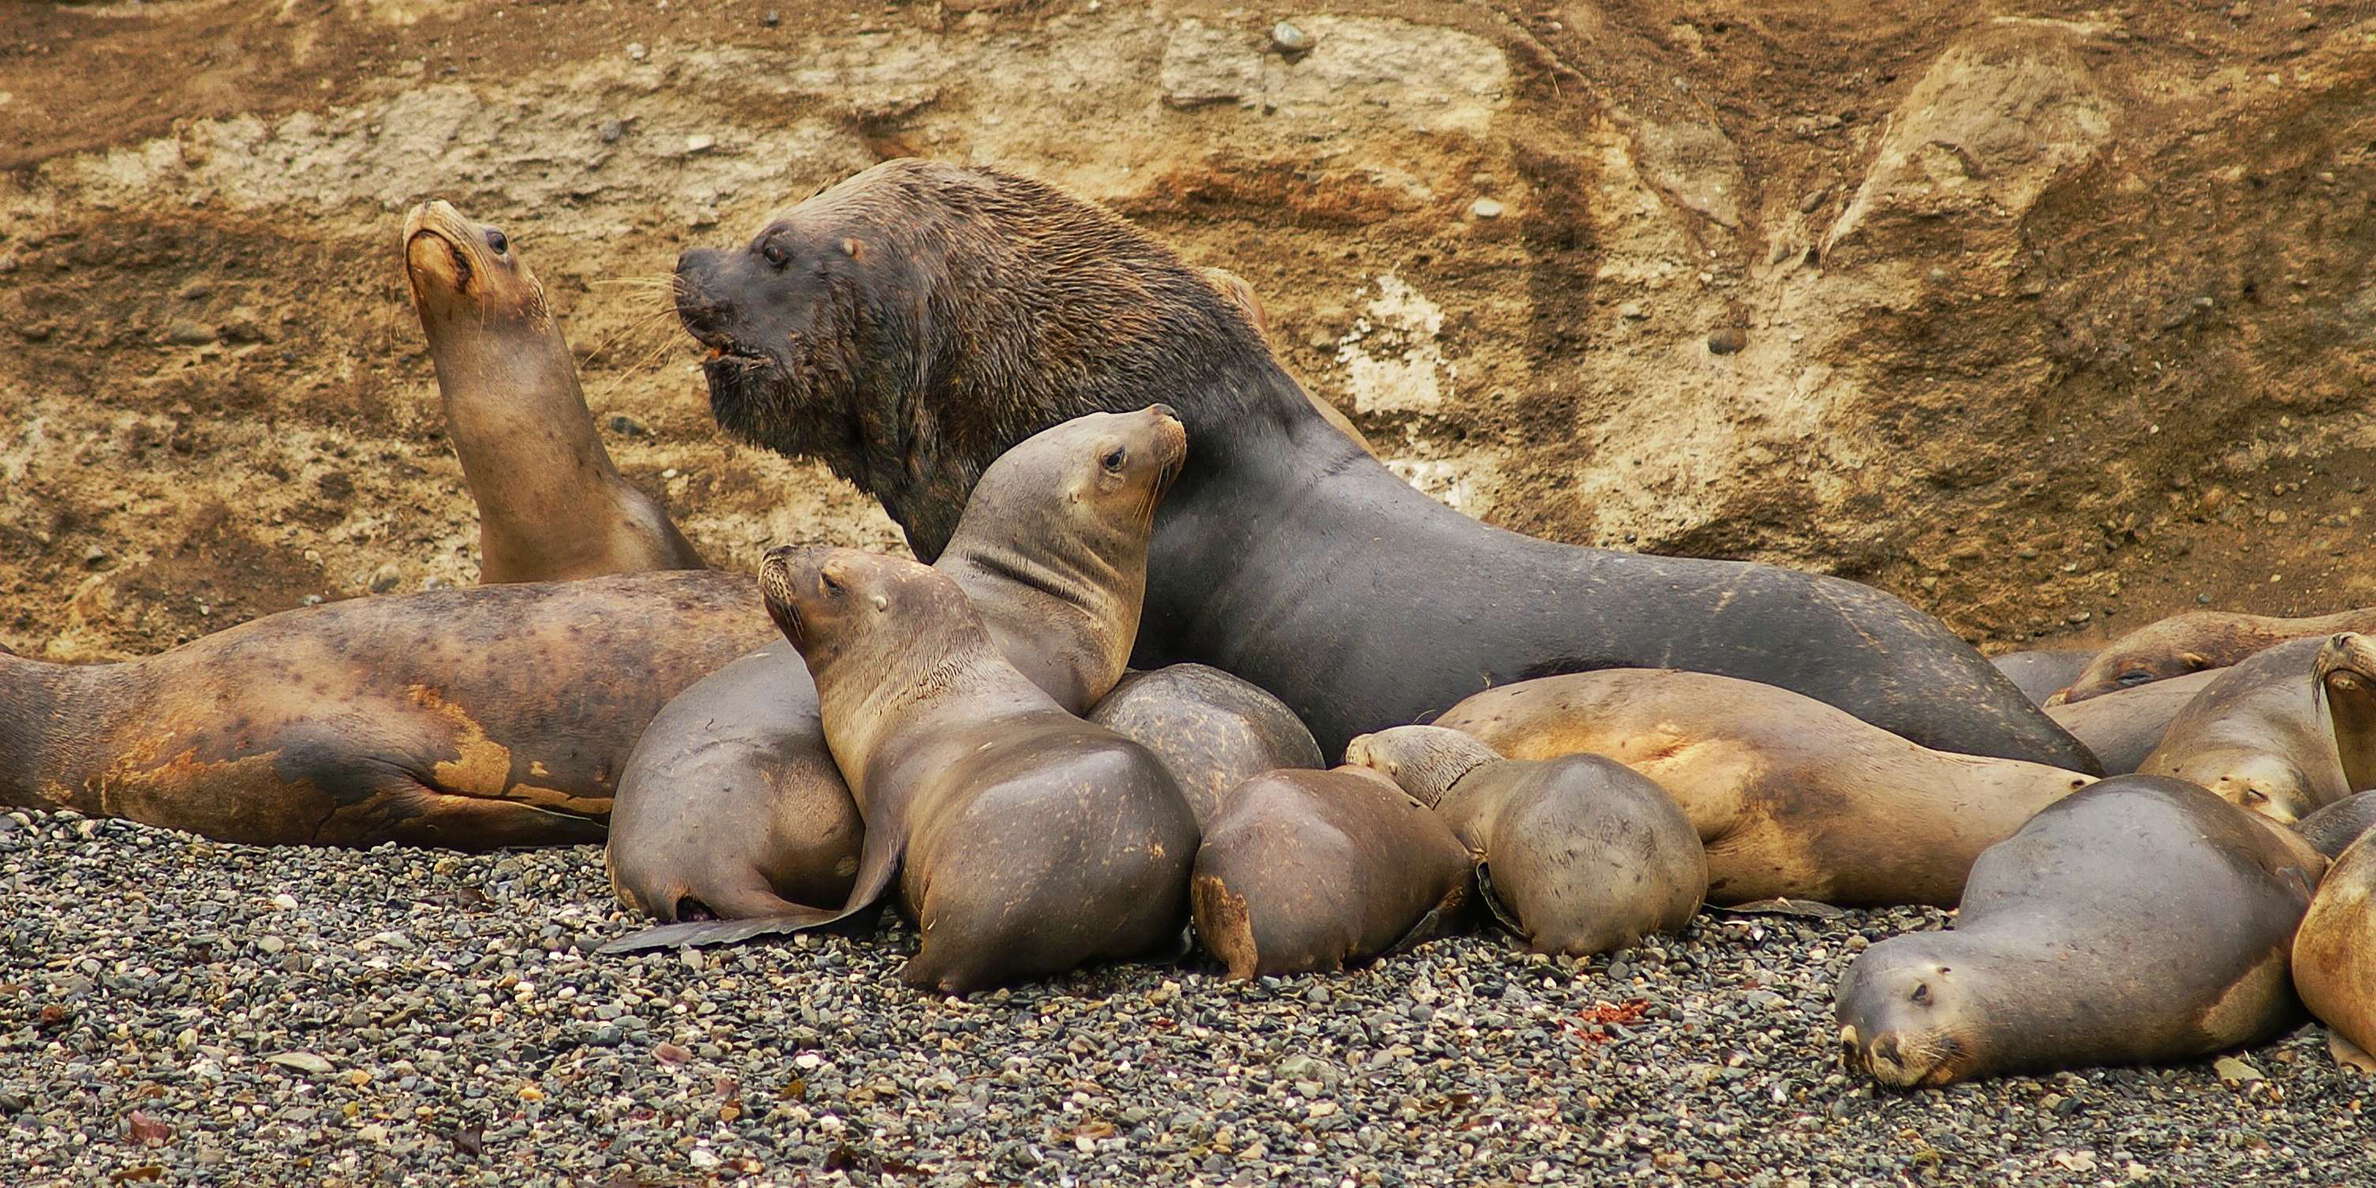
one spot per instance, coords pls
(878, 863)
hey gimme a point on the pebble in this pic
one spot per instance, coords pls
(1289, 39)
(1485, 208)
(189, 334)
(636, 52)
(1729, 340)
(385, 578)
(611, 130)
(494, 1044)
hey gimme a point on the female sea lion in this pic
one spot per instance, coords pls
(1211, 729)
(2123, 726)
(2334, 954)
(2197, 640)
(1576, 855)
(2345, 669)
(1792, 798)
(2255, 735)
(551, 504)
(1311, 871)
(731, 805)
(909, 323)
(2142, 920)
(2042, 674)
(1025, 841)
(475, 718)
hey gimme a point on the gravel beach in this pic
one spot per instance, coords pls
(182, 1011)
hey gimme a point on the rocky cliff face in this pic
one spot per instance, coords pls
(2049, 317)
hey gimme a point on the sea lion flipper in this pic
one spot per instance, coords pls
(2348, 1054)
(1493, 903)
(875, 871)
(1439, 920)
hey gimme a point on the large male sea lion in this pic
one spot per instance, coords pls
(908, 324)
(1211, 729)
(1312, 871)
(2334, 954)
(2196, 640)
(1024, 840)
(1576, 855)
(2141, 920)
(2256, 735)
(1792, 798)
(731, 805)
(475, 718)
(2043, 673)
(551, 503)
(2123, 726)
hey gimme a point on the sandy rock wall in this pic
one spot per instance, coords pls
(2049, 317)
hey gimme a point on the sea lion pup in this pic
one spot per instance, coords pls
(1025, 841)
(475, 718)
(2255, 735)
(1791, 797)
(2198, 640)
(2123, 726)
(2142, 920)
(731, 805)
(551, 504)
(2043, 673)
(2334, 954)
(1211, 729)
(1576, 855)
(1312, 871)
(911, 322)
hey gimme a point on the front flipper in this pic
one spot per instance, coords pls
(877, 865)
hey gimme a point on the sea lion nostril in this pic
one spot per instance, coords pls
(1886, 1048)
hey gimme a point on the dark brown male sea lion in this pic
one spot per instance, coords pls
(2142, 920)
(1211, 729)
(1312, 871)
(2196, 640)
(2123, 726)
(551, 503)
(1024, 840)
(2256, 736)
(474, 718)
(731, 805)
(909, 323)
(1576, 855)
(1792, 798)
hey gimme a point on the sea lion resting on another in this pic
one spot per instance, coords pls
(1211, 729)
(2042, 674)
(551, 504)
(2142, 920)
(476, 718)
(1312, 871)
(731, 806)
(1024, 840)
(1792, 798)
(2122, 727)
(2197, 640)
(2255, 735)
(909, 323)
(1576, 855)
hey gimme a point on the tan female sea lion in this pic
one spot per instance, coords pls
(2197, 640)
(551, 503)
(2334, 954)
(2256, 736)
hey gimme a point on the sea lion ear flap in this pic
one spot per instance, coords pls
(855, 249)
(2194, 661)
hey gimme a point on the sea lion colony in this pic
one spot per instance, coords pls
(1093, 446)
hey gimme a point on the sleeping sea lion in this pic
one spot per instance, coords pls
(908, 324)
(2140, 921)
(1792, 798)
(2042, 674)
(2123, 726)
(2334, 954)
(1576, 855)
(2197, 640)
(551, 503)
(2256, 736)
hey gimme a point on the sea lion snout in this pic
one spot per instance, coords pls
(699, 305)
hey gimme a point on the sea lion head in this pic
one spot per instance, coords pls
(1095, 480)
(2346, 669)
(2171, 647)
(911, 323)
(1425, 760)
(2263, 781)
(831, 602)
(1905, 1014)
(461, 270)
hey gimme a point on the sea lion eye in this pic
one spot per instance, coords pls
(497, 241)
(1921, 995)
(2134, 676)
(2255, 796)
(776, 253)
(826, 583)
(1114, 459)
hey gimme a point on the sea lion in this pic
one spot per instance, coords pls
(1792, 798)
(2142, 920)
(2123, 726)
(2332, 829)
(1311, 871)
(909, 323)
(2197, 640)
(731, 806)
(551, 503)
(2042, 674)
(474, 718)
(1240, 294)
(2345, 670)
(2334, 954)
(1211, 729)
(1576, 855)
(2255, 735)
(1024, 840)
